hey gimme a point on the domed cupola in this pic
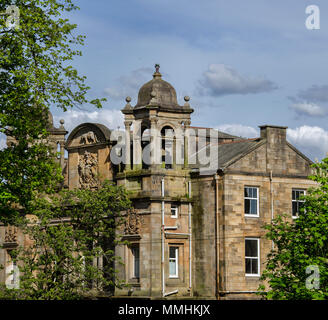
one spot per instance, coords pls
(156, 111)
(157, 92)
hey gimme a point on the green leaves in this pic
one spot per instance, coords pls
(74, 230)
(35, 74)
(299, 244)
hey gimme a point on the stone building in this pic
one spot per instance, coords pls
(10, 236)
(201, 196)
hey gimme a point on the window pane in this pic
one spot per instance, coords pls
(136, 262)
(250, 206)
(248, 266)
(253, 206)
(250, 192)
(251, 248)
(173, 261)
(251, 266)
(136, 268)
(136, 252)
(294, 203)
(296, 194)
(173, 252)
(254, 266)
(174, 211)
(247, 206)
(172, 267)
(254, 192)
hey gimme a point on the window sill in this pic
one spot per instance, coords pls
(134, 281)
(251, 216)
(252, 275)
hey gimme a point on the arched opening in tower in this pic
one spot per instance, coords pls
(168, 143)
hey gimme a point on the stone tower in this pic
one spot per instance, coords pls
(156, 172)
(156, 118)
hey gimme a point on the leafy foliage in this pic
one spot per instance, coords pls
(299, 244)
(69, 233)
(35, 73)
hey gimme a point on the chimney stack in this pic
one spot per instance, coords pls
(275, 135)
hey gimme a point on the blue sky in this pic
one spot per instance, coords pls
(243, 63)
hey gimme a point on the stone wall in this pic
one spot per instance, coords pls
(147, 190)
(236, 226)
(275, 168)
(203, 245)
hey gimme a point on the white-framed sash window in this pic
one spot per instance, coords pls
(252, 256)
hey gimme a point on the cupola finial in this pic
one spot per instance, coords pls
(157, 74)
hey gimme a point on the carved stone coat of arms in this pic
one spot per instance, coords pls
(132, 223)
(87, 168)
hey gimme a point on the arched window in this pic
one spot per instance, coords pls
(167, 135)
(145, 140)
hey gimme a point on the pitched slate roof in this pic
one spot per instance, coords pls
(224, 154)
(230, 152)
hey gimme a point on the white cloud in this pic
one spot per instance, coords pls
(220, 80)
(310, 140)
(110, 118)
(239, 130)
(129, 85)
(309, 109)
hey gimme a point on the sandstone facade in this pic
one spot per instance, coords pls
(187, 234)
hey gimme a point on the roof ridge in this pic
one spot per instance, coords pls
(230, 142)
(195, 127)
(238, 141)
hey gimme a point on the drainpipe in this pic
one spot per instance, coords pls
(217, 237)
(190, 238)
(162, 236)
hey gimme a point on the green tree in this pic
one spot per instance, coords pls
(300, 244)
(35, 73)
(69, 233)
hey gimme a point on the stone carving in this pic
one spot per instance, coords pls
(87, 168)
(10, 234)
(88, 138)
(132, 223)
